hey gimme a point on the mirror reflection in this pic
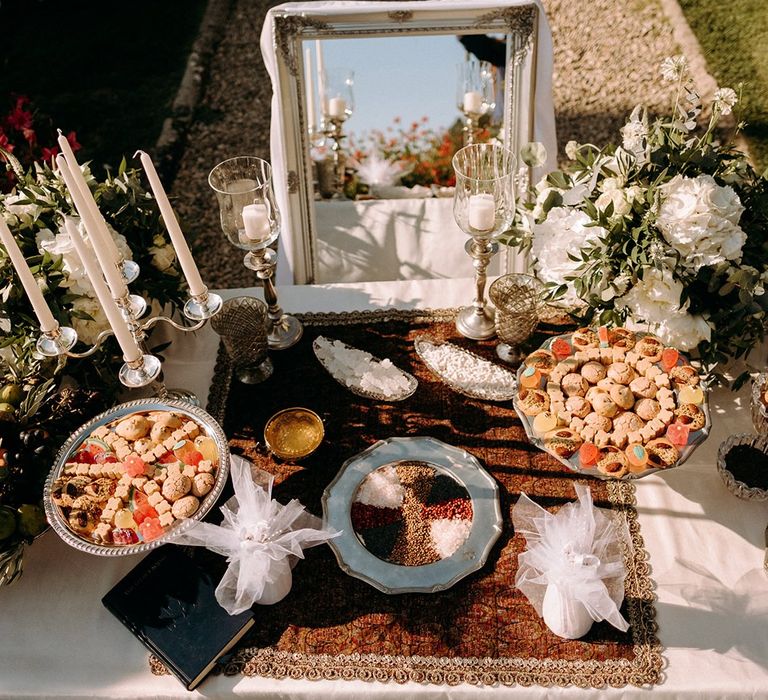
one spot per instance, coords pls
(385, 117)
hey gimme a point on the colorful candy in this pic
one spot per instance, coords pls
(125, 536)
(690, 394)
(134, 465)
(602, 334)
(588, 454)
(530, 378)
(637, 455)
(124, 519)
(561, 348)
(669, 358)
(151, 529)
(678, 434)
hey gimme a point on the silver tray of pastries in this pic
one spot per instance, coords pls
(612, 403)
(136, 476)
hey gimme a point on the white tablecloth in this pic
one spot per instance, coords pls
(705, 546)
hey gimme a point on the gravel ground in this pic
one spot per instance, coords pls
(607, 54)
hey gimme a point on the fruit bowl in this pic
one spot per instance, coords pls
(119, 511)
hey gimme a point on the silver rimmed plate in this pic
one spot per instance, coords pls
(204, 421)
(485, 380)
(412, 382)
(695, 438)
(459, 464)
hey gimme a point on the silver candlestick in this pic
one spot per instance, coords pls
(484, 207)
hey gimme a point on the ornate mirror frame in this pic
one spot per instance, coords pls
(288, 26)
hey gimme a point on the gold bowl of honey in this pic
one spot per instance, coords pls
(294, 433)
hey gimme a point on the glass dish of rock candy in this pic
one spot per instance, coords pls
(136, 476)
(362, 373)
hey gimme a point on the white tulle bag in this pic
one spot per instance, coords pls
(260, 538)
(572, 570)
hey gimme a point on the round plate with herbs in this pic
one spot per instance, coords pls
(612, 403)
(416, 515)
(136, 476)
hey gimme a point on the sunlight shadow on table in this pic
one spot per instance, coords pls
(707, 621)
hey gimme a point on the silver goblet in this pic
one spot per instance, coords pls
(484, 208)
(251, 222)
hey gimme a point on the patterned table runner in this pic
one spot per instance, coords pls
(482, 630)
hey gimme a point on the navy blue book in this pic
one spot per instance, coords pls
(168, 601)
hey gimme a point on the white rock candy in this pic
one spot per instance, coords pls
(467, 371)
(360, 370)
(381, 488)
(449, 534)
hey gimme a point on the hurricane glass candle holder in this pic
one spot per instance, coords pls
(518, 302)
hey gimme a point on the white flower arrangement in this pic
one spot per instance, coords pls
(664, 233)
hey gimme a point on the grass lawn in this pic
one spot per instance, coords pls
(107, 70)
(734, 38)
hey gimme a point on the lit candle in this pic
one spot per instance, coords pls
(183, 254)
(47, 322)
(320, 76)
(310, 90)
(131, 350)
(256, 223)
(482, 212)
(107, 262)
(99, 226)
(473, 102)
(337, 107)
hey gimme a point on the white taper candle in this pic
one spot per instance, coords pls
(100, 231)
(128, 345)
(184, 255)
(321, 76)
(47, 322)
(107, 262)
(310, 87)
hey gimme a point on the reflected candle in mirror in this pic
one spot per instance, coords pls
(256, 223)
(337, 107)
(482, 212)
(473, 102)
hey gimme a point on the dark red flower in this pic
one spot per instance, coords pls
(19, 118)
(30, 136)
(49, 153)
(72, 138)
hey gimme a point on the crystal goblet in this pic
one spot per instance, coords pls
(251, 221)
(484, 208)
(518, 301)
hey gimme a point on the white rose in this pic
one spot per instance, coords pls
(621, 207)
(122, 244)
(699, 218)
(572, 149)
(635, 193)
(25, 213)
(87, 331)
(564, 231)
(654, 305)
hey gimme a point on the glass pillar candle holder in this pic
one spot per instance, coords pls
(518, 303)
(251, 221)
(475, 93)
(484, 208)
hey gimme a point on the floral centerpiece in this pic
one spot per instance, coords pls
(41, 399)
(665, 233)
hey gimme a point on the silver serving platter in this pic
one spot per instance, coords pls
(695, 439)
(391, 578)
(412, 381)
(505, 392)
(211, 428)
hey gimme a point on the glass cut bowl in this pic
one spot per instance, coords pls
(736, 487)
(207, 425)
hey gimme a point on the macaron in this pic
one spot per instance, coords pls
(530, 378)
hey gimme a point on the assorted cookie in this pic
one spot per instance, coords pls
(618, 402)
(130, 480)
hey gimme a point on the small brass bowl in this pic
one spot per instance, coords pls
(294, 433)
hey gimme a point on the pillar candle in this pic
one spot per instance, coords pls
(256, 223)
(473, 102)
(482, 214)
(183, 254)
(321, 76)
(99, 226)
(131, 350)
(107, 262)
(337, 107)
(310, 87)
(47, 322)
